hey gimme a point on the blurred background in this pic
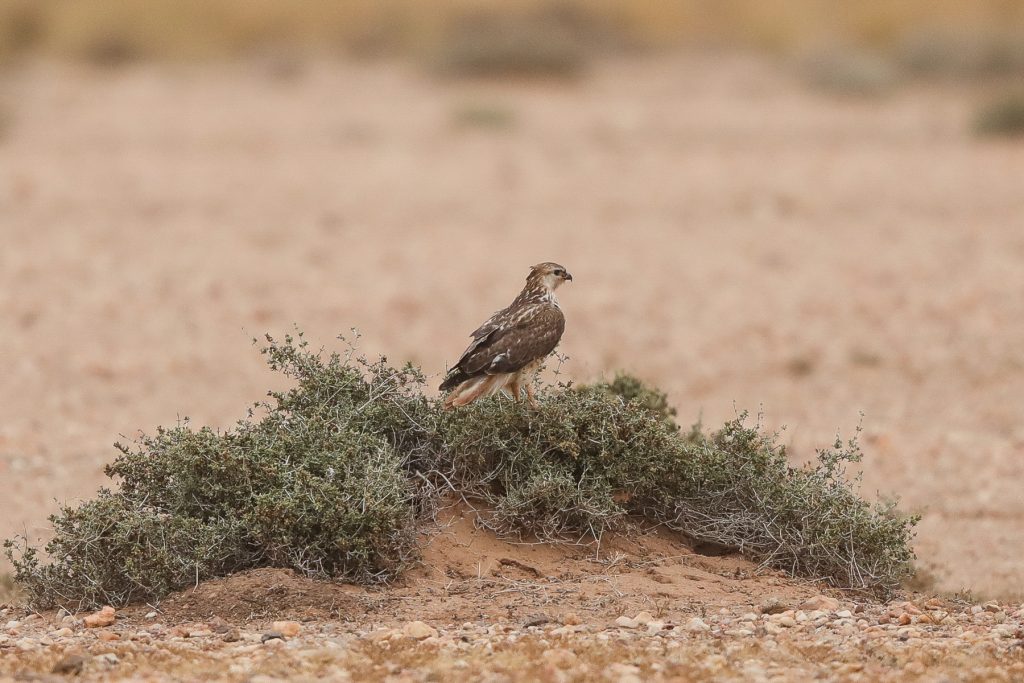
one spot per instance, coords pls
(809, 208)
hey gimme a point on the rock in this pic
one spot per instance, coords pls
(786, 621)
(271, 635)
(62, 632)
(844, 614)
(151, 615)
(108, 658)
(107, 636)
(218, 625)
(289, 629)
(572, 619)
(739, 632)
(772, 606)
(655, 627)
(905, 619)
(11, 625)
(105, 617)
(538, 620)
(820, 603)
(565, 630)
(232, 636)
(70, 665)
(380, 635)
(626, 622)
(419, 630)
(643, 618)
(696, 625)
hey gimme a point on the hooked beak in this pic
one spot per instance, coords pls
(568, 276)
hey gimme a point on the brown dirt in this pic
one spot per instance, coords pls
(734, 237)
(467, 574)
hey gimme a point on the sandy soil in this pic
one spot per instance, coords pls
(479, 609)
(739, 240)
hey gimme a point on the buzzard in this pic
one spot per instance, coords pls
(509, 348)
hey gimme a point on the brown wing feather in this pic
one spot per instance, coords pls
(534, 334)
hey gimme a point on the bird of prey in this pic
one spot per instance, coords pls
(508, 349)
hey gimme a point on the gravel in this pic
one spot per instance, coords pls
(933, 638)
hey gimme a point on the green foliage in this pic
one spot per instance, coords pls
(113, 550)
(315, 484)
(585, 463)
(553, 472)
(1002, 117)
(735, 488)
(332, 476)
(631, 388)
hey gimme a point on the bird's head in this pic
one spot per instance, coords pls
(549, 275)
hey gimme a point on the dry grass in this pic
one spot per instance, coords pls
(114, 31)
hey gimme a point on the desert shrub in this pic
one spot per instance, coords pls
(586, 462)
(347, 389)
(554, 472)
(735, 488)
(496, 44)
(312, 480)
(963, 52)
(847, 72)
(631, 388)
(332, 477)
(22, 28)
(1002, 117)
(113, 550)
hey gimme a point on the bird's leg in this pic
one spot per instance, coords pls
(516, 390)
(529, 395)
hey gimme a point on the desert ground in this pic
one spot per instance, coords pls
(736, 237)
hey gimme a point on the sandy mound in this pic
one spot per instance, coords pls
(469, 574)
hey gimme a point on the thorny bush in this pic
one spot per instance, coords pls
(334, 477)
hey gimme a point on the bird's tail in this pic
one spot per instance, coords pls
(455, 378)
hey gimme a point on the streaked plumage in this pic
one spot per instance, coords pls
(509, 348)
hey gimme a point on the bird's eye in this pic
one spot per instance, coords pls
(559, 272)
